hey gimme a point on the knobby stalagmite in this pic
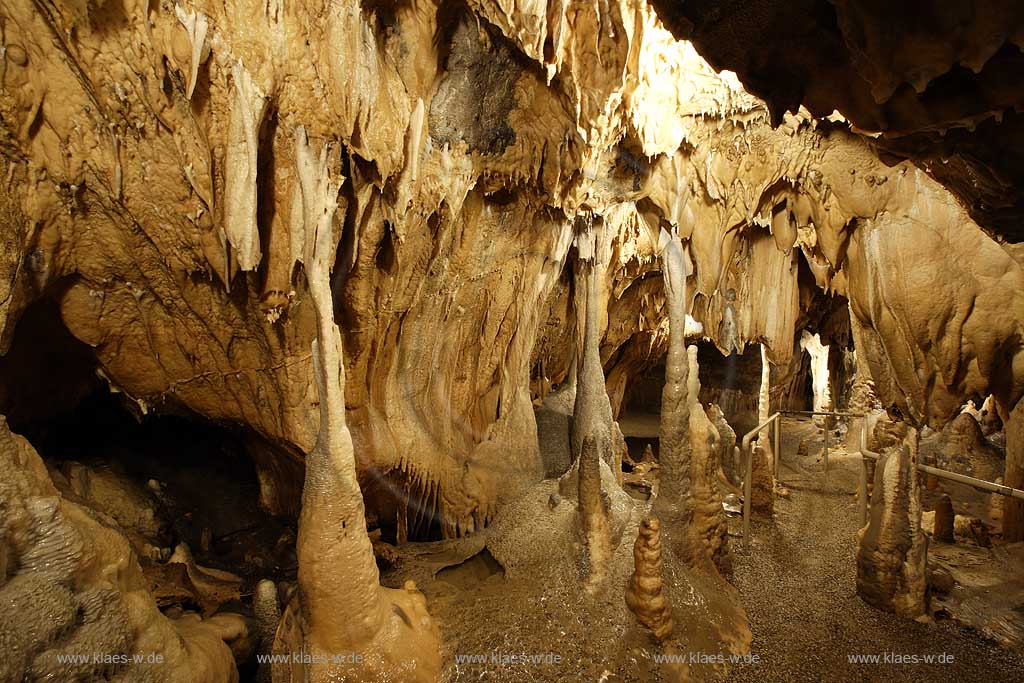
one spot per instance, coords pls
(645, 596)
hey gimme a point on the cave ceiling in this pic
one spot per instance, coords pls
(936, 83)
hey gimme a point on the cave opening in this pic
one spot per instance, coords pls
(185, 489)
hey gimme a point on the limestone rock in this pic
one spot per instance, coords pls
(892, 547)
(644, 594)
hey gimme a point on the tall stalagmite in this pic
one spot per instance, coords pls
(762, 485)
(892, 547)
(340, 608)
(591, 437)
(688, 501)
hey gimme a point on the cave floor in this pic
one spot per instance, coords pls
(797, 580)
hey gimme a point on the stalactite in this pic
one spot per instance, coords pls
(248, 107)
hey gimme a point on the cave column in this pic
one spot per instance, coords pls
(341, 607)
(688, 502)
(338, 576)
(591, 427)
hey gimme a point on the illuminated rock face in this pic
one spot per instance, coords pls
(164, 163)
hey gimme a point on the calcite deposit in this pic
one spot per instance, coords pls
(422, 259)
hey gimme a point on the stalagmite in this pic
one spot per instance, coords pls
(421, 345)
(1013, 508)
(340, 607)
(892, 547)
(267, 610)
(726, 446)
(591, 432)
(944, 520)
(762, 485)
(996, 509)
(811, 343)
(645, 595)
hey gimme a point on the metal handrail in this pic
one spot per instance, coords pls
(776, 419)
(980, 484)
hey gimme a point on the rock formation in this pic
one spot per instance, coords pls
(71, 585)
(1013, 509)
(892, 546)
(644, 594)
(689, 501)
(762, 484)
(337, 614)
(727, 474)
(811, 343)
(352, 231)
(591, 438)
(944, 521)
(267, 610)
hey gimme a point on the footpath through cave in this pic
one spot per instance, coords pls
(797, 579)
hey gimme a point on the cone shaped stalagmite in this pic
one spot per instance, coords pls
(645, 595)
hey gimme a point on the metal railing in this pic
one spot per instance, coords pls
(862, 493)
(776, 419)
(980, 484)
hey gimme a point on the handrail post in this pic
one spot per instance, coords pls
(746, 494)
(778, 442)
(826, 442)
(862, 486)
